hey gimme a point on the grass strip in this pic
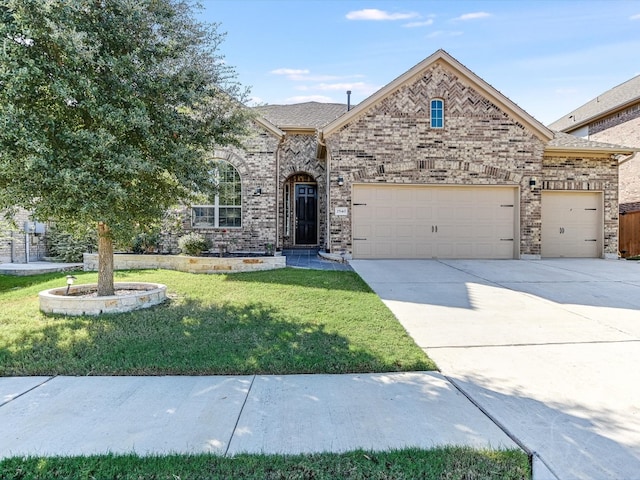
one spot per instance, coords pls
(449, 463)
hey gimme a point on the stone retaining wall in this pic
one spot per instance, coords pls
(183, 263)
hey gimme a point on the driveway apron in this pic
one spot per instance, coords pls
(550, 349)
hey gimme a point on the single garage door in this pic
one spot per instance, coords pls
(572, 224)
(415, 221)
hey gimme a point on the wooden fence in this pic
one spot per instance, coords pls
(629, 234)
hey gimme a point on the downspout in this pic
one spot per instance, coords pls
(26, 244)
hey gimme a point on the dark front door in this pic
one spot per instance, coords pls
(306, 214)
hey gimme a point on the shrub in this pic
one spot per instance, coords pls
(68, 246)
(193, 244)
(145, 242)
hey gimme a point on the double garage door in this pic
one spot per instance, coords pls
(412, 221)
(391, 221)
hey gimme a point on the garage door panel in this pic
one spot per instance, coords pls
(403, 213)
(443, 222)
(405, 231)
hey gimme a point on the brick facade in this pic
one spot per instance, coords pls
(394, 143)
(256, 165)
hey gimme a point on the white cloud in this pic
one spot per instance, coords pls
(635, 17)
(377, 15)
(473, 16)
(424, 23)
(289, 71)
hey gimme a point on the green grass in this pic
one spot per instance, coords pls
(276, 322)
(442, 463)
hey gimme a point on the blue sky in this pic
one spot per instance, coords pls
(548, 56)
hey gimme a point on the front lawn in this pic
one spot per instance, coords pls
(276, 322)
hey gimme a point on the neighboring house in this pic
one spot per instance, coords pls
(23, 241)
(614, 117)
(437, 164)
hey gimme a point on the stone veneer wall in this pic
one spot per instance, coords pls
(298, 155)
(256, 164)
(588, 174)
(393, 142)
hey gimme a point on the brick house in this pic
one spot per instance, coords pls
(438, 163)
(614, 117)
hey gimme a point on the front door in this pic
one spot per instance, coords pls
(306, 214)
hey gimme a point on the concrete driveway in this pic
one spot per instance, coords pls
(550, 349)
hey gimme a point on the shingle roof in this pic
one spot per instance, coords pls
(302, 115)
(565, 141)
(624, 94)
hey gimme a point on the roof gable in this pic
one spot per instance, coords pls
(482, 87)
(617, 98)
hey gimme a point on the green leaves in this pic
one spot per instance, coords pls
(108, 109)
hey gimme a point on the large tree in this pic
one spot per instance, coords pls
(108, 109)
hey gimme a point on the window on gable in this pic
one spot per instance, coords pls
(437, 113)
(224, 208)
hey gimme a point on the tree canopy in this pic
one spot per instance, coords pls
(108, 108)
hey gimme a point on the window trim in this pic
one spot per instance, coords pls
(437, 120)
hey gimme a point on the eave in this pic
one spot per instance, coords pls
(270, 127)
(601, 115)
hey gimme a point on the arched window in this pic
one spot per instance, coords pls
(437, 113)
(224, 209)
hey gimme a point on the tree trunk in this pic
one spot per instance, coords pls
(105, 261)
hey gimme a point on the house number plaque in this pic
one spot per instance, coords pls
(342, 211)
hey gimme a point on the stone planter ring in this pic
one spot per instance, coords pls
(79, 301)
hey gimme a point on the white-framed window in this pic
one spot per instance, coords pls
(224, 209)
(437, 113)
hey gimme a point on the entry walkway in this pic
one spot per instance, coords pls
(311, 258)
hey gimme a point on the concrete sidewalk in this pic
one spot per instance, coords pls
(233, 414)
